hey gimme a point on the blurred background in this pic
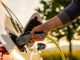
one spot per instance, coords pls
(68, 36)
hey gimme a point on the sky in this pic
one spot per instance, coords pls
(23, 8)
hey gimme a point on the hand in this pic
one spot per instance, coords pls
(39, 28)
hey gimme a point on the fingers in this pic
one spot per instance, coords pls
(38, 37)
(32, 33)
(36, 29)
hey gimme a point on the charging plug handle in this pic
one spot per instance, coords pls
(25, 38)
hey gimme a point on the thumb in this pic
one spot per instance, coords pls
(32, 33)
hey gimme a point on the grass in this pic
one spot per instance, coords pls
(55, 55)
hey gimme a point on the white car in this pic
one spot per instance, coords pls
(11, 28)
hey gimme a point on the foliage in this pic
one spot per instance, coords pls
(50, 7)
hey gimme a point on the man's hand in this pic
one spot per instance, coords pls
(39, 28)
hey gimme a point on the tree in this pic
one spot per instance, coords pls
(52, 8)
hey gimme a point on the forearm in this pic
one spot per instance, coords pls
(53, 23)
